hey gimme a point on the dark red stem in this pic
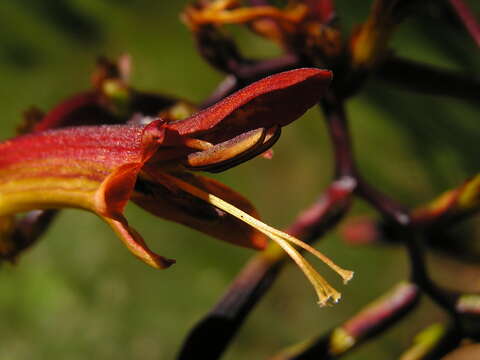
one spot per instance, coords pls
(28, 231)
(375, 318)
(424, 78)
(337, 125)
(468, 19)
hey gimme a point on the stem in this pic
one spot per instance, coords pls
(386, 206)
(212, 335)
(468, 19)
(424, 78)
(339, 132)
(376, 317)
(28, 230)
(419, 275)
(433, 343)
(400, 217)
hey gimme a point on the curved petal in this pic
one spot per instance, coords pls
(275, 100)
(135, 243)
(168, 202)
(114, 192)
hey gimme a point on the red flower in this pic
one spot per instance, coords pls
(99, 168)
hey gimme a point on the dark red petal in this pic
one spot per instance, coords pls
(137, 246)
(168, 202)
(276, 100)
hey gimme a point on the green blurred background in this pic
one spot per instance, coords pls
(79, 294)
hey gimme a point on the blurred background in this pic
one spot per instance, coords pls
(79, 294)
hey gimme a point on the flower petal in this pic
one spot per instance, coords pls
(94, 168)
(114, 192)
(135, 243)
(168, 202)
(276, 100)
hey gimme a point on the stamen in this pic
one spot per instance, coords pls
(197, 144)
(323, 289)
(228, 153)
(346, 275)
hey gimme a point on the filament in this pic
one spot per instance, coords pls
(324, 290)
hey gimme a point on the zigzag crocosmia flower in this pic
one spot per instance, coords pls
(99, 168)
